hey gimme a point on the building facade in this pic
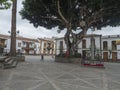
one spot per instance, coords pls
(108, 47)
(47, 46)
(28, 46)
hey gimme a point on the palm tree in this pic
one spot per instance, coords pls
(13, 29)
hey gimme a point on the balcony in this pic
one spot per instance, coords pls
(105, 48)
(114, 48)
(2, 45)
(28, 48)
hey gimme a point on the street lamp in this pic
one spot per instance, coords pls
(17, 32)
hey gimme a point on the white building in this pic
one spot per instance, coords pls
(27, 45)
(47, 46)
(106, 46)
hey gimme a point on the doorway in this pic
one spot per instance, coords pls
(114, 56)
(105, 56)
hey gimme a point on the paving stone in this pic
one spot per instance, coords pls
(84, 88)
(65, 86)
(77, 82)
(4, 75)
(97, 82)
(46, 86)
(66, 76)
(49, 75)
(113, 85)
(23, 85)
(2, 84)
(22, 77)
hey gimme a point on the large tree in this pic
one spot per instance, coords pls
(74, 15)
(5, 4)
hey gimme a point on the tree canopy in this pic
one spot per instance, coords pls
(46, 12)
(5, 4)
(73, 15)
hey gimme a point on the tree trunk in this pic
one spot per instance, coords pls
(13, 29)
(67, 41)
(77, 38)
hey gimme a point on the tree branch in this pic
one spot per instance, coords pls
(63, 18)
(52, 18)
(98, 15)
(94, 18)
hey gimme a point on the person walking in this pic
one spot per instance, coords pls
(42, 57)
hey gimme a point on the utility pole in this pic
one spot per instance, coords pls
(13, 29)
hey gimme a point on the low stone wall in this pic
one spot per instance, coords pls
(67, 60)
(20, 58)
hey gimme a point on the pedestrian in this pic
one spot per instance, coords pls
(42, 58)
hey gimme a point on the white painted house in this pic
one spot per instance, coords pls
(26, 45)
(23, 45)
(108, 47)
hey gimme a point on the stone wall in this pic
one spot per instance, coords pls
(67, 60)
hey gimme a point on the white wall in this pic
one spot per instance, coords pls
(18, 41)
(118, 52)
(97, 43)
(37, 49)
(58, 46)
(7, 42)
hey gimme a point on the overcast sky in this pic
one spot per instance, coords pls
(28, 30)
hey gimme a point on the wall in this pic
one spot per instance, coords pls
(58, 46)
(109, 39)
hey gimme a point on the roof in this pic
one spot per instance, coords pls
(25, 39)
(45, 39)
(111, 36)
(4, 36)
(18, 38)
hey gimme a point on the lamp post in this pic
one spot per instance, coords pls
(17, 32)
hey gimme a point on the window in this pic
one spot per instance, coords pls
(114, 45)
(61, 45)
(105, 45)
(44, 44)
(19, 44)
(83, 43)
(23, 43)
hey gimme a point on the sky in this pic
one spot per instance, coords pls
(28, 30)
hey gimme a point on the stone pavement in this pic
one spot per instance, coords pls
(34, 74)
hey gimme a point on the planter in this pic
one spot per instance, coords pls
(67, 60)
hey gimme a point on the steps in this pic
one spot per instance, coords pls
(9, 62)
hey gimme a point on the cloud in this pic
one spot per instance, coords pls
(108, 31)
(28, 30)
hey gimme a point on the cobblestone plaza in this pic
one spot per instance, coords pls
(34, 74)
